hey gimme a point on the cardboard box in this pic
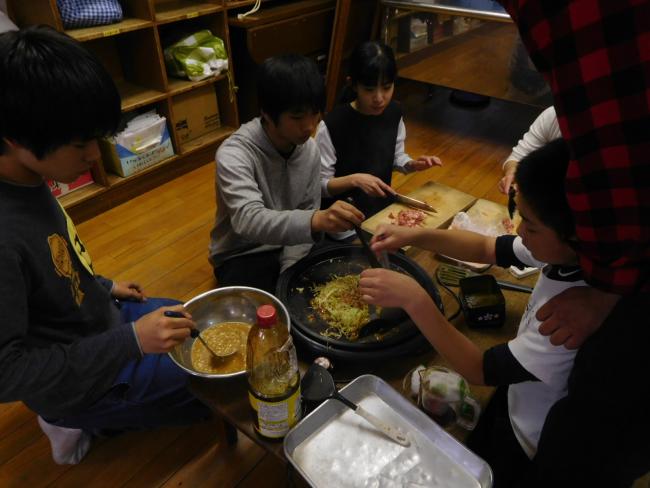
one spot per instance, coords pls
(196, 113)
(58, 189)
(125, 162)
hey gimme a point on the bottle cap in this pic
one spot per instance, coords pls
(323, 362)
(266, 316)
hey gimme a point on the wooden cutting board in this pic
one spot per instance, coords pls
(492, 214)
(446, 200)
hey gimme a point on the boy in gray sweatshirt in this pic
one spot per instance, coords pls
(83, 352)
(267, 181)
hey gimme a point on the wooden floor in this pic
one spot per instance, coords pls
(161, 239)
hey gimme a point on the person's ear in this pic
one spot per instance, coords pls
(10, 144)
(571, 242)
(266, 118)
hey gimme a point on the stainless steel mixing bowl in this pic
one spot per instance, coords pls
(227, 304)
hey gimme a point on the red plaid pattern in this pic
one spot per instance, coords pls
(596, 57)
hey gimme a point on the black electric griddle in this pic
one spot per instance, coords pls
(390, 329)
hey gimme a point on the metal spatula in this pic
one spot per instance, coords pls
(318, 385)
(451, 275)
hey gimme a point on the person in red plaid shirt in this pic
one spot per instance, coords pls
(596, 57)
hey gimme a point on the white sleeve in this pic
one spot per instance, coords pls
(543, 130)
(534, 351)
(550, 364)
(524, 255)
(327, 157)
(6, 24)
(401, 158)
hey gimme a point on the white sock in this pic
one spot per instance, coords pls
(69, 446)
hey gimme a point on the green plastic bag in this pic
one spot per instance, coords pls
(197, 57)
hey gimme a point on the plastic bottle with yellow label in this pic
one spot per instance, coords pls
(273, 376)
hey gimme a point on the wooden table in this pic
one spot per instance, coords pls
(229, 398)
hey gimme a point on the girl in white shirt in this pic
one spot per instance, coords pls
(362, 140)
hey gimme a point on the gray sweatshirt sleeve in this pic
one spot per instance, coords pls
(105, 282)
(250, 215)
(66, 372)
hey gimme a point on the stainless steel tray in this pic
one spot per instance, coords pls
(331, 431)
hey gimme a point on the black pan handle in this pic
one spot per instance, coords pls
(374, 262)
(365, 242)
(507, 285)
(194, 333)
(174, 315)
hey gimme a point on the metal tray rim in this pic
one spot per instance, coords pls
(358, 389)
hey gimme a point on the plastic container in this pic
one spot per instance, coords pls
(482, 302)
(444, 394)
(522, 273)
(273, 376)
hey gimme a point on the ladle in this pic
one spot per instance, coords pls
(376, 261)
(318, 385)
(383, 321)
(196, 334)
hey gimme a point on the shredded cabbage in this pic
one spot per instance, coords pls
(339, 303)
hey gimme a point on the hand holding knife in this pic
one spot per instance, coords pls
(375, 187)
(412, 202)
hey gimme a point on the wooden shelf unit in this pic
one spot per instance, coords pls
(132, 52)
(180, 10)
(301, 27)
(100, 31)
(234, 4)
(212, 137)
(178, 86)
(76, 196)
(467, 46)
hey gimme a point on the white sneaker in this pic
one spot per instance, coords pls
(69, 446)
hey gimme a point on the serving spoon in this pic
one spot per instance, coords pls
(318, 385)
(196, 334)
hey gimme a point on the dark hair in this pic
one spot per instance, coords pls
(52, 91)
(540, 179)
(289, 83)
(371, 63)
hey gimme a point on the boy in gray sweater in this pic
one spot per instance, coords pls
(267, 181)
(83, 352)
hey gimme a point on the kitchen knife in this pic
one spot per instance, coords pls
(365, 243)
(412, 202)
(512, 205)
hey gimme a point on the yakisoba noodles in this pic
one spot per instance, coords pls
(339, 303)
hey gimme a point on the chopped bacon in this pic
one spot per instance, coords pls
(409, 218)
(508, 225)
